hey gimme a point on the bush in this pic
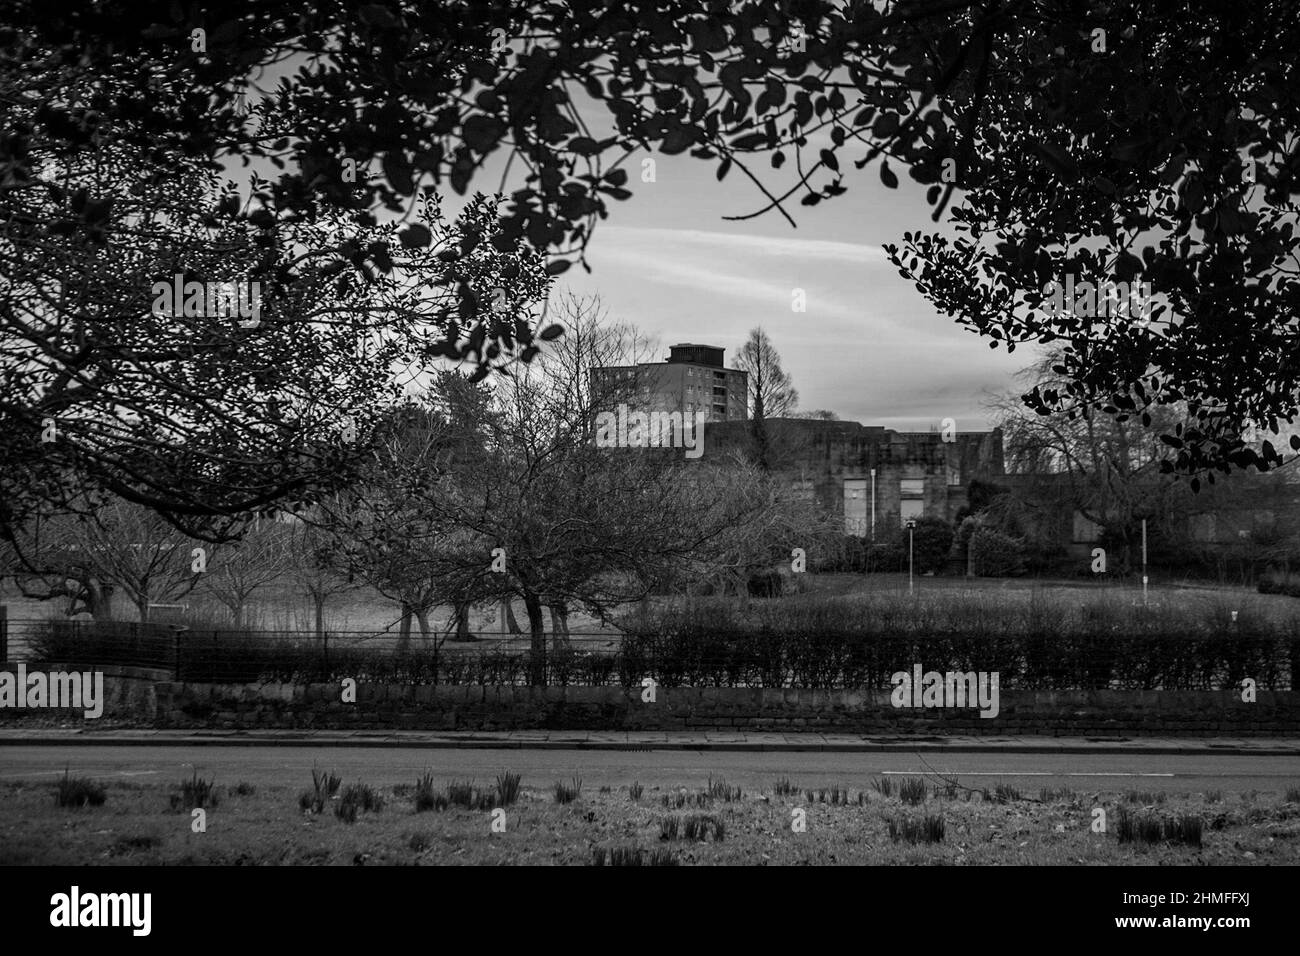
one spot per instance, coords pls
(888, 554)
(427, 797)
(79, 792)
(323, 788)
(1278, 583)
(929, 829)
(848, 554)
(1032, 641)
(356, 797)
(196, 792)
(567, 793)
(765, 584)
(931, 544)
(696, 827)
(996, 554)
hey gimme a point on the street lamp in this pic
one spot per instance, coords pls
(911, 526)
(873, 504)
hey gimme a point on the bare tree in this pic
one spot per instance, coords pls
(1106, 468)
(584, 526)
(771, 392)
(260, 558)
(314, 565)
(121, 545)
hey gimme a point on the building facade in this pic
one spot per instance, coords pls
(876, 477)
(692, 379)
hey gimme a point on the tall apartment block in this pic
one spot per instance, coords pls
(693, 379)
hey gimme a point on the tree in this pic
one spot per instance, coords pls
(388, 532)
(122, 546)
(580, 525)
(771, 394)
(178, 402)
(314, 563)
(1107, 470)
(261, 557)
(1133, 140)
(819, 414)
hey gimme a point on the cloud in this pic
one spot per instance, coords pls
(869, 345)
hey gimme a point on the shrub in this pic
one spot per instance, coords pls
(929, 829)
(567, 793)
(1003, 793)
(681, 798)
(635, 790)
(996, 554)
(784, 788)
(1275, 582)
(323, 787)
(464, 794)
(1186, 829)
(195, 792)
(428, 798)
(765, 584)
(508, 788)
(698, 827)
(357, 797)
(720, 790)
(847, 553)
(79, 792)
(912, 791)
(931, 544)
(630, 856)
(888, 554)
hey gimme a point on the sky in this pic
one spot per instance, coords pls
(869, 347)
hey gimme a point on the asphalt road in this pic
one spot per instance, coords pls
(291, 766)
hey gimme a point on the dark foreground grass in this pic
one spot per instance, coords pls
(856, 823)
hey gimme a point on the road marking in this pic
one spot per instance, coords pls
(55, 773)
(1017, 773)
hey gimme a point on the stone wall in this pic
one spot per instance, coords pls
(1063, 713)
(129, 694)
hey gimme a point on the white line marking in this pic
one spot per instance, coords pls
(1017, 773)
(55, 773)
(34, 773)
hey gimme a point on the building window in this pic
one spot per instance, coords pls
(912, 486)
(911, 508)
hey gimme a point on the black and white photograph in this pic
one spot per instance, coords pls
(666, 433)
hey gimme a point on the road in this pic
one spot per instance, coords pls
(291, 766)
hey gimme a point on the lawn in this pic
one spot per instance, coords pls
(136, 824)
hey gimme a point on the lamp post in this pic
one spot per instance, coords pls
(911, 527)
(1144, 562)
(873, 504)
